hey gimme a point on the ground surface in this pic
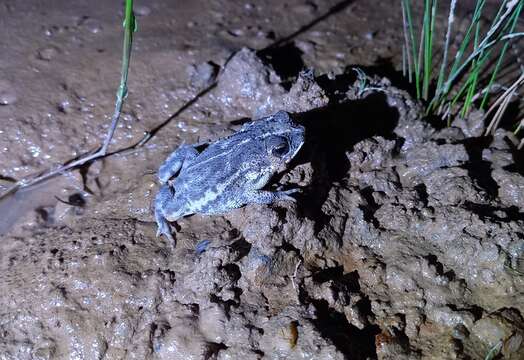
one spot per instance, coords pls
(403, 245)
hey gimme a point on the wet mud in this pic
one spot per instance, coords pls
(405, 242)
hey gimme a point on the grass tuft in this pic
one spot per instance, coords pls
(470, 76)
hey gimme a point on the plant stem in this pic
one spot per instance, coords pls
(430, 10)
(121, 94)
(451, 19)
(486, 43)
(129, 28)
(501, 57)
(416, 64)
(406, 41)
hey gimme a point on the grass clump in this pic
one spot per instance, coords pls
(468, 71)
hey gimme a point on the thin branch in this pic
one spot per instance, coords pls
(500, 103)
(451, 19)
(129, 28)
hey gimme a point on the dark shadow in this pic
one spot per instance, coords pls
(351, 341)
(479, 169)
(241, 247)
(439, 267)
(370, 207)
(518, 165)
(8, 178)
(488, 212)
(508, 121)
(348, 282)
(286, 60)
(331, 133)
(347, 338)
(212, 350)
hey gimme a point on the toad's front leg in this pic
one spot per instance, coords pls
(268, 197)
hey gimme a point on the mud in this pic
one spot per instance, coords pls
(405, 243)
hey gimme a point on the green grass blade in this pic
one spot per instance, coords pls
(513, 24)
(471, 91)
(472, 76)
(494, 351)
(407, 46)
(429, 25)
(129, 28)
(426, 44)
(484, 44)
(409, 19)
(466, 40)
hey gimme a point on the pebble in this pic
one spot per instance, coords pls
(236, 32)
(203, 75)
(305, 9)
(307, 47)
(7, 94)
(64, 106)
(92, 25)
(184, 127)
(142, 10)
(460, 332)
(201, 246)
(47, 53)
(370, 35)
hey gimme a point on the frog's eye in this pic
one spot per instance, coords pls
(280, 149)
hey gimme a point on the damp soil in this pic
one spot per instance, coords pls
(404, 242)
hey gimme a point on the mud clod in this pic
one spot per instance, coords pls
(406, 241)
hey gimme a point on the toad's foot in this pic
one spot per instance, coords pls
(164, 195)
(164, 228)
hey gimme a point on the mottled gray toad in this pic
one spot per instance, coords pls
(228, 173)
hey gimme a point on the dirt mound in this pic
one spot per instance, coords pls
(402, 245)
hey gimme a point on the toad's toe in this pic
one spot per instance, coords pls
(164, 228)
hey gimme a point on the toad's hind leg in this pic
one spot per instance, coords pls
(178, 159)
(164, 196)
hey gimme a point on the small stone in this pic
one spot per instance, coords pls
(7, 98)
(203, 75)
(307, 47)
(236, 32)
(142, 10)
(513, 344)
(64, 107)
(370, 35)
(305, 9)
(201, 246)
(92, 25)
(47, 53)
(460, 332)
(7, 93)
